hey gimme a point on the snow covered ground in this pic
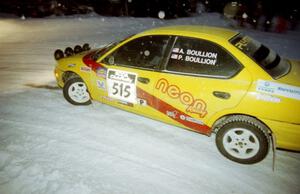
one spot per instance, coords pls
(50, 146)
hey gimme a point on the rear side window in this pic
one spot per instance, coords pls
(266, 58)
(200, 57)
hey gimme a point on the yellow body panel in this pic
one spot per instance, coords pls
(279, 112)
(287, 134)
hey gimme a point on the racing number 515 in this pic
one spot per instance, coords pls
(121, 90)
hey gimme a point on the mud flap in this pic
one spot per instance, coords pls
(273, 138)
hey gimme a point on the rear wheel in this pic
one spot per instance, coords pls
(243, 139)
(75, 91)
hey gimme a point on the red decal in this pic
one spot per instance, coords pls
(173, 112)
(88, 61)
(197, 106)
(194, 105)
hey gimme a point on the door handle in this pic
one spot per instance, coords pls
(222, 95)
(143, 80)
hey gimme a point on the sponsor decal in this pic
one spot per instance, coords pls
(195, 56)
(101, 84)
(267, 98)
(163, 107)
(242, 43)
(101, 72)
(191, 119)
(172, 114)
(108, 98)
(121, 85)
(141, 102)
(126, 103)
(193, 105)
(71, 65)
(279, 89)
(85, 69)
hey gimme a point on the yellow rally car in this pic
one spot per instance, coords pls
(204, 79)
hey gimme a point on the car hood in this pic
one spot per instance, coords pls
(76, 58)
(293, 77)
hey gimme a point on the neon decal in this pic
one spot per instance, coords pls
(196, 106)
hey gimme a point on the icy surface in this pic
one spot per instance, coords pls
(50, 146)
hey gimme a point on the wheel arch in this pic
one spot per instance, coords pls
(236, 147)
(67, 75)
(218, 122)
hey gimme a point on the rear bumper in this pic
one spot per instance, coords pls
(287, 134)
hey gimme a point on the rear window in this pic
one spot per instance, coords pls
(266, 58)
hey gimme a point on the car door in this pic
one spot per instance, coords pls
(131, 72)
(199, 80)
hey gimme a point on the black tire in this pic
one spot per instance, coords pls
(243, 139)
(75, 91)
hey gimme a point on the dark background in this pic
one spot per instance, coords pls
(286, 11)
(142, 8)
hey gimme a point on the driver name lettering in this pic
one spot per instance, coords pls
(196, 106)
(195, 56)
(202, 57)
(202, 54)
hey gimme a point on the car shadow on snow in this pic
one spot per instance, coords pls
(43, 86)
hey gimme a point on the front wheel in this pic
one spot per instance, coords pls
(243, 139)
(75, 92)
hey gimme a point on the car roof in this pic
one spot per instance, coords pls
(193, 30)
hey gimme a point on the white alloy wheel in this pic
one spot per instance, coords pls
(241, 143)
(242, 139)
(78, 92)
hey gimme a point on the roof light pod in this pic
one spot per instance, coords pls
(69, 51)
(58, 54)
(86, 47)
(77, 49)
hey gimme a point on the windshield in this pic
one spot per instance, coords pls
(103, 50)
(262, 55)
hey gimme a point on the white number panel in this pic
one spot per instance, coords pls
(121, 85)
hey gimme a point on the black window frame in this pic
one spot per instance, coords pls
(163, 67)
(155, 68)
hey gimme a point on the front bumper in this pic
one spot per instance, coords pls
(58, 76)
(287, 134)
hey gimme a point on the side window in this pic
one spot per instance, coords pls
(196, 56)
(145, 52)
